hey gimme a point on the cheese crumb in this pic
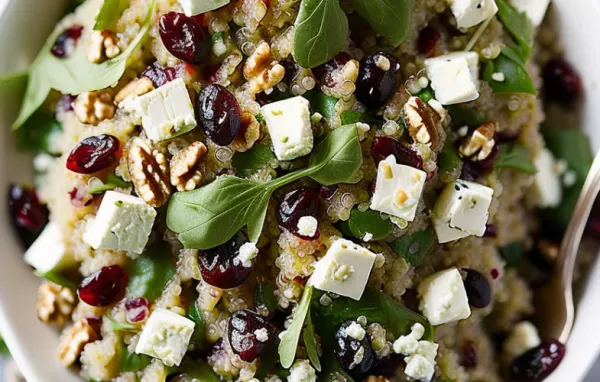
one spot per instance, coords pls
(368, 236)
(248, 252)
(307, 226)
(420, 355)
(356, 331)
(498, 77)
(301, 371)
(262, 334)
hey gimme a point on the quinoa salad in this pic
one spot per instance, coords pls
(299, 190)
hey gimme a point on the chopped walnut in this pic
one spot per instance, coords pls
(248, 134)
(261, 71)
(74, 339)
(149, 172)
(94, 107)
(424, 122)
(102, 46)
(135, 88)
(55, 303)
(480, 144)
(186, 169)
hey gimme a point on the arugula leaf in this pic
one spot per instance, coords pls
(211, 215)
(573, 146)
(112, 182)
(131, 361)
(415, 247)
(390, 18)
(74, 75)
(516, 77)
(289, 340)
(199, 335)
(150, 273)
(57, 278)
(38, 133)
(321, 30)
(513, 253)
(310, 342)
(369, 221)
(109, 13)
(321, 103)
(250, 162)
(516, 157)
(518, 24)
(264, 298)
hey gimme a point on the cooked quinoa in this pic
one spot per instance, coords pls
(251, 190)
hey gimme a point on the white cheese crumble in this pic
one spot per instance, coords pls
(368, 236)
(301, 371)
(498, 77)
(547, 179)
(262, 334)
(356, 331)
(420, 355)
(248, 252)
(307, 226)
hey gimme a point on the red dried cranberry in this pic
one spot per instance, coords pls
(94, 154)
(295, 205)
(428, 40)
(218, 267)
(376, 79)
(137, 309)
(219, 113)
(382, 147)
(495, 273)
(345, 349)
(185, 38)
(160, 75)
(537, 363)
(66, 42)
(247, 334)
(28, 215)
(478, 289)
(80, 197)
(325, 73)
(468, 356)
(562, 82)
(473, 169)
(103, 287)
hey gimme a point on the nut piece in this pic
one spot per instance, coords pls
(248, 134)
(149, 172)
(479, 145)
(186, 170)
(73, 340)
(424, 122)
(102, 46)
(135, 88)
(55, 303)
(94, 107)
(261, 71)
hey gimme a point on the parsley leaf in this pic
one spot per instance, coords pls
(289, 339)
(390, 18)
(109, 13)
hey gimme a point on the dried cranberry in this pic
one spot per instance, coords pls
(346, 348)
(219, 113)
(249, 334)
(468, 356)
(562, 83)
(537, 363)
(185, 38)
(137, 309)
(103, 287)
(292, 70)
(491, 230)
(473, 169)
(495, 273)
(428, 40)
(160, 75)
(382, 147)
(94, 154)
(376, 79)
(218, 267)
(295, 205)
(66, 42)
(478, 289)
(28, 215)
(326, 73)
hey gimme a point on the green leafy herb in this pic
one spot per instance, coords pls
(515, 156)
(39, 133)
(369, 221)
(131, 361)
(310, 342)
(4, 352)
(150, 273)
(390, 18)
(426, 95)
(415, 247)
(572, 146)
(199, 335)
(556, 219)
(217, 36)
(289, 340)
(112, 182)
(513, 253)
(449, 159)
(462, 115)
(350, 116)
(321, 103)
(197, 370)
(109, 14)
(269, 363)
(518, 24)
(264, 298)
(74, 75)
(516, 78)
(250, 162)
(208, 5)
(208, 217)
(57, 278)
(117, 326)
(321, 32)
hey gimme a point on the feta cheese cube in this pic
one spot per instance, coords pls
(461, 210)
(165, 112)
(419, 367)
(301, 371)
(48, 252)
(307, 226)
(523, 337)
(123, 223)
(444, 298)
(547, 180)
(166, 336)
(534, 9)
(196, 7)
(454, 77)
(398, 189)
(344, 270)
(469, 13)
(289, 125)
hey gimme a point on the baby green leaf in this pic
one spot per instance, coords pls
(573, 146)
(350, 116)
(321, 32)
(149, 273)
(516, 79)
(117, 326)
(513, 253)
(4, 352)
(250, 162)
(112, 182)
(199, 335)
(38, 133)
(448, 160)
(264, 298)
(321, 103)
(363, 222)
(311, 343)
(463, 115)
(131, 361)
(197, 371)
(519, 26)
(415, 247)
(57, 278)
(289, 340)
(390, 18)
(109, 13)
(515, 156)
(337, 158)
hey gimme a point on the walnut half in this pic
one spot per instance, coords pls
(186, 169)
(248, 134)
(149, 172)
(479, 145)
(55, 303)
(261, 71)
(94, 107)
(74, 339)
(424, 122)
(102, 46)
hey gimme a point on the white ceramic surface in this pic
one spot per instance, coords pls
(24, 24)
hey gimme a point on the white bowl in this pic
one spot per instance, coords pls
(24, 24)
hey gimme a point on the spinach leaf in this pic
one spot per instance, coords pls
(112, 182)
(415, 247)
(448, 159)
(57, 278)
(556, 219)
(518, 24)
(513, 253)
(264, 298)
(38, 133)
(462, 116)
(321, 32)
(150, 273)
(131, 361)
(211, 215)
(250, 162)
(369, 221)
(390, 18)
(516, 78)
(516, 157)
(109, 13)
(573, 146)
(311, 343)
(321, 103)
(74, 75)
(350, 116)
(199, 335)
(289, 340)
